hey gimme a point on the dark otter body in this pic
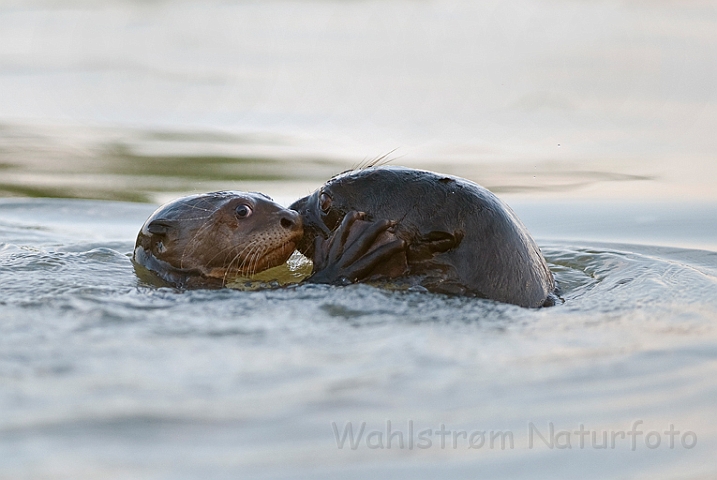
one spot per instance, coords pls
(205, 240)
(459, 237)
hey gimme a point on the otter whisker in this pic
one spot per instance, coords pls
(221, 251)
(257, 257)
(195, 207)
(260, 257)
(245, 267)
(252, 260)
(375, 162)
(246, 263)
(383, 159)
(236, 258)
(240, 264)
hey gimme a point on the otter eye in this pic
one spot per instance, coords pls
(243, 211)
(324, 201)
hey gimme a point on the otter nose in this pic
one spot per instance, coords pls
(290, 220)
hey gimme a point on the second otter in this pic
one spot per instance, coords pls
(459, 237)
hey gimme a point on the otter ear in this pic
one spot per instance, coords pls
(159, 227)
(439, 242)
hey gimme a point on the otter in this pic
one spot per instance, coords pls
(208, 239)
(447, 234)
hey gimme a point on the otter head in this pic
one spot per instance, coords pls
(208, 239)
(414, 198)
(323, 210)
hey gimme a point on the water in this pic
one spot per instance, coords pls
(105, 376)
(594, 120)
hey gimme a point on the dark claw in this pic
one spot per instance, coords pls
(365, 241)
(338, 239)
(353, 251)
(320, 254)
(363, 267)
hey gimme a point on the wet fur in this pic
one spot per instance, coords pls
(461, 238)
(198, 241)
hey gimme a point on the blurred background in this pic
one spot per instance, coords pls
(144, 101)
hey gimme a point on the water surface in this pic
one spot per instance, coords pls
(104, 376)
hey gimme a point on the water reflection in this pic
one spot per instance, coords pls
(154, 166)
(215, 93)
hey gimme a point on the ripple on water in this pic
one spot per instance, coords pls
(83, 343)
